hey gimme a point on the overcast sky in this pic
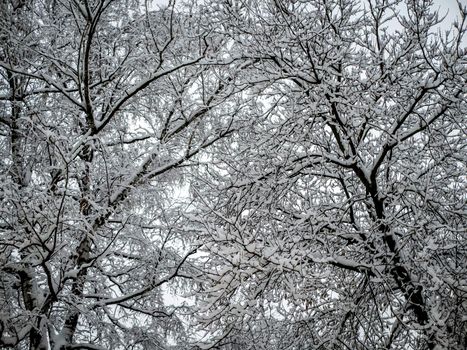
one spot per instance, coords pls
(451, 7)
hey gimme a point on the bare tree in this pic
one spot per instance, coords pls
(337, 220)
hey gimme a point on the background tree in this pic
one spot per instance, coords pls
(103, 105)
(337, 220)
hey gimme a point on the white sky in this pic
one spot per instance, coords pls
(451, 7)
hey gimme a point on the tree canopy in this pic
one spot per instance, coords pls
(236, 174)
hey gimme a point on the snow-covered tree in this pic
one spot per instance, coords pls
(103, 105)
(337, 220)
(297, 168)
